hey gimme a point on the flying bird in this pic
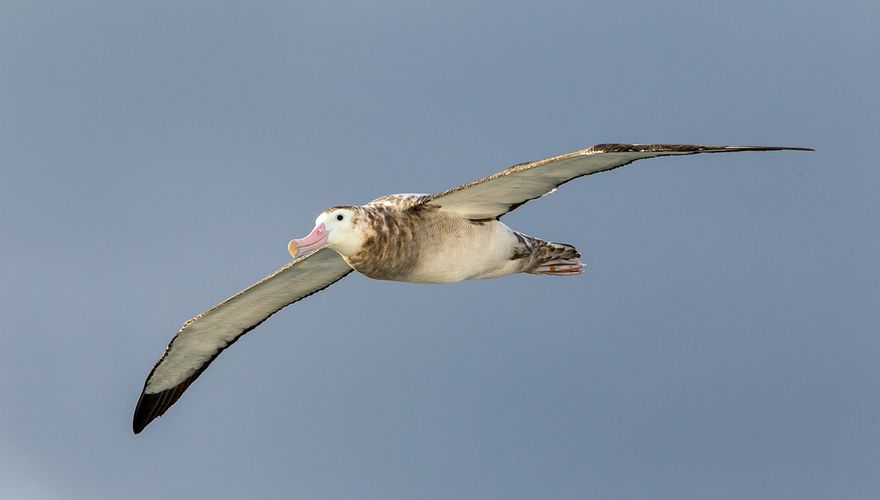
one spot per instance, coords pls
(447, 237)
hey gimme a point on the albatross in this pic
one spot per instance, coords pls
(446, 237)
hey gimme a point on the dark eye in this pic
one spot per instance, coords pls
(339, 217)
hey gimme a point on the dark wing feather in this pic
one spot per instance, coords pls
(204, 337)
(497, 194)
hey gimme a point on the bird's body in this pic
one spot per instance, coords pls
(446, 237)
(419, 244)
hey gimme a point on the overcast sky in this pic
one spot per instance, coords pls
(157, 157)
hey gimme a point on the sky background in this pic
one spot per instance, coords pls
(157, 157)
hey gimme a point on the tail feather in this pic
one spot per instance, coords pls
(555, 259)
(560, 267)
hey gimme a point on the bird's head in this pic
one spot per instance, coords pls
(339, 228)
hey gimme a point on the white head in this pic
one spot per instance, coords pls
(339, 228)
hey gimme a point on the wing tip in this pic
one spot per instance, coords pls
(767, 148)
(682, 148)
(143, 413)
(152, 406)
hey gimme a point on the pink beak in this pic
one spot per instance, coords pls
(316, 240)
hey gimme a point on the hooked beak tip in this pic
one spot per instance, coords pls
(315, 240)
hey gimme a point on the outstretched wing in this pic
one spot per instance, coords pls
(494, 196)
(203, 338)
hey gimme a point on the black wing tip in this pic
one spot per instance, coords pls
(685, 148)
(144, 412)
(768, 148)
(152, 406)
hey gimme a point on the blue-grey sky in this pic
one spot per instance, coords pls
(157, 157)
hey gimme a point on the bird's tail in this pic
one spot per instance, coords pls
(556, 259)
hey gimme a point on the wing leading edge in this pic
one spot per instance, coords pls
(495, 195)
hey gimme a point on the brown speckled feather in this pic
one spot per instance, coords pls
(393, 240)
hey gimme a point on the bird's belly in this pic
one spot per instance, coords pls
(471, 251)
